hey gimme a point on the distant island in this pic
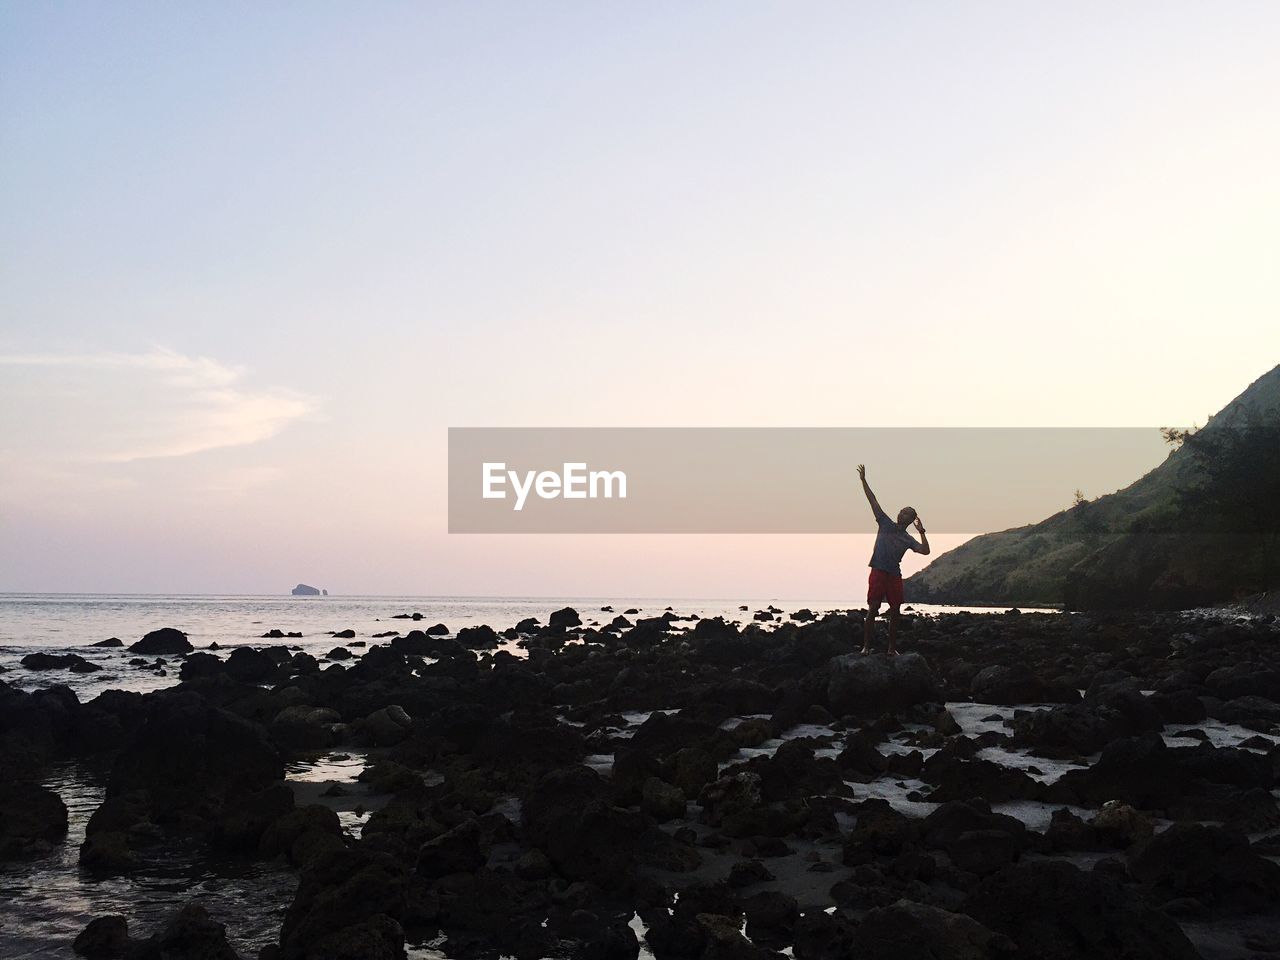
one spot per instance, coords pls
(306, 590)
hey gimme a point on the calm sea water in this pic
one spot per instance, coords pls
(72, 622)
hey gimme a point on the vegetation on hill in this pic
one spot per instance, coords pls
(1201, 528)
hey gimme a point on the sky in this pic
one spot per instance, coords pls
(255, 260)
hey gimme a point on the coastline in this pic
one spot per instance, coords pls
(755, 775)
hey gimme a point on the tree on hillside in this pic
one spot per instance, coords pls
(1177, 436)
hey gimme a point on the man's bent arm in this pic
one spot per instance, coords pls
(923, 546)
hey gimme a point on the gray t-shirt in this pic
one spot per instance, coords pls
(891, 543)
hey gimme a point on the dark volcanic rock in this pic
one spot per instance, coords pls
(245, 818)
(109, 642)
(568, 617)
(66, 661)
(162, 642)
(346, 907)
(1019, 684)
(982, 779)
(661, 800)
(251, 666)
(198, 665)
(188, 752)
(303, 835)
(456, 851)
(31, 818)
(481, 637)
(1108, 712)
(568, 816)
(868, 686)
(1056, 911)
(1214, 865)
(383, 727)
(103, 938)
(190, 934)
(1144, 772)
(906, 929)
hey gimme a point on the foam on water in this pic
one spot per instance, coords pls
(1220, 734)
(895, 792)
(1050, 770)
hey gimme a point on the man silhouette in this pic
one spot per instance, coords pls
(884, 585)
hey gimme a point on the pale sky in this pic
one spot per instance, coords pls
(256, 259)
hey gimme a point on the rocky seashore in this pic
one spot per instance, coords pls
(1014, 786)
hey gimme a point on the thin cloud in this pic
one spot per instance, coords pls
(123, 407)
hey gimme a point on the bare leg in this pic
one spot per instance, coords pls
(868, 627)
(893, 631)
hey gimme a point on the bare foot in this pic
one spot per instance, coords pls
(892, 652)
(865, 650)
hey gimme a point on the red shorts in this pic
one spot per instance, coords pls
(884, 587)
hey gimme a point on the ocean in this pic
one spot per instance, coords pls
(73, 622)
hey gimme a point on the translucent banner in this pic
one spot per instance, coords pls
(780, 480)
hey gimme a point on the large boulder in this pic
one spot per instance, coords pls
(35, 727)
(1214, 865)
(480, 637)
(568, 617)
(983, 779)
(976, 839)
(383, 727)
(1146, 773)
(163, 642)
(567, 814)
(868, 686)
(31, 818)
(303, 835)
(1018, 684)
(736, 805)
(199, 666)
(189, 753)
(1055, 911)
(459, 850)
(347, 905)
(54, 661)
(1108, 712)
(906, 929)
(103, 938)
(190, 934)
(244, 819)
(249, 665)
(1245, 680)
(661, 800)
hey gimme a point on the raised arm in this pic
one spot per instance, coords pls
(924, 541)
(871, 497)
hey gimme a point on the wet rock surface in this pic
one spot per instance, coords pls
(1011, 786)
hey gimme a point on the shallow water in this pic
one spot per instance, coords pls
(1220, 734)
(46, 902)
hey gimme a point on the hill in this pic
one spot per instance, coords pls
(1201, 528)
